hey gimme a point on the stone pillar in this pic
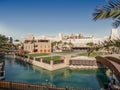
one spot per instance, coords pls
(67, 59)
(28, 58)
(41, 60)
(14, 55)
(33, 58)
(51, 62)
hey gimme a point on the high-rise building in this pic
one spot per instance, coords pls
(60, 36)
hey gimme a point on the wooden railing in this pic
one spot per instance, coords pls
(25, 86)
(113, 59)
(107, 63)
(7, 85)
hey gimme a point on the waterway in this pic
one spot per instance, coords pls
(22, 72)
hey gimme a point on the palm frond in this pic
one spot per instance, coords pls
(111, 10)
(116, 23)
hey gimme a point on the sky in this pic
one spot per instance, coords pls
(18, 18)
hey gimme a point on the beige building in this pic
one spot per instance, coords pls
(114, 34)
(37, 45)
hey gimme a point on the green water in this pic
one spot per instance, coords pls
(23, 72)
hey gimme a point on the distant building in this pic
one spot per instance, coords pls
(60, 36)
(72, 42)
(37, 45)
(81, 44)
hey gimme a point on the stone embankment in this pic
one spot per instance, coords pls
(48, 65)
(81, 62)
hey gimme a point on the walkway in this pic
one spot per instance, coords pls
(117, 66)
(112, 63)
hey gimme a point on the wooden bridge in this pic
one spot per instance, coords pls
(112, 63)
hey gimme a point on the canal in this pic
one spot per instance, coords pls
(18, 71)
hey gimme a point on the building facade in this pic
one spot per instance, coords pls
(37, 45)
(114, 34)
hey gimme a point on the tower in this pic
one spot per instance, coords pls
(114, 34)
(60, 36)
(10, 39)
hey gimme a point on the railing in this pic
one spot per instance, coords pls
(31, 58)
(83, 62)
(7, 85)
(58, 61)
(46, 61)
(37, 59)
(113, 59)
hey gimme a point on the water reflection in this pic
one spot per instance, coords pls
(23, 72)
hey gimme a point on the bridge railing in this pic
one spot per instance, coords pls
(106, 62)
(113, 59)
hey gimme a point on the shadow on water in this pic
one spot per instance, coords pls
(1, 60)
(102, 77)
(25, 65)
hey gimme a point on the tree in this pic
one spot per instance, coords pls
(117, 45)
(3, 43)
(111, 45)
(16, 40)
(110, 10)
(108, 45)
(91, 48)
(54, 45)
(3, 39)
(70, 45)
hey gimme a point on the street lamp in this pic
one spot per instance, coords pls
(46, 82)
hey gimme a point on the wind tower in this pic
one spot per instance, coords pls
(60, 36)
(114, 34)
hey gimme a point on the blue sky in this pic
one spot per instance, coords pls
(50, 17)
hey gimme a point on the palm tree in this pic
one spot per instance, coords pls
(4, 46)
(108, 45)
(70, 45)
(91, 48)
(55, 45)
(117, 45)
(110, 10)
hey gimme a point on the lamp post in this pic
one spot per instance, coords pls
(112, 73)
(47, 84)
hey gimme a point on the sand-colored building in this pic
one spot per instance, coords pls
(37, 45)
